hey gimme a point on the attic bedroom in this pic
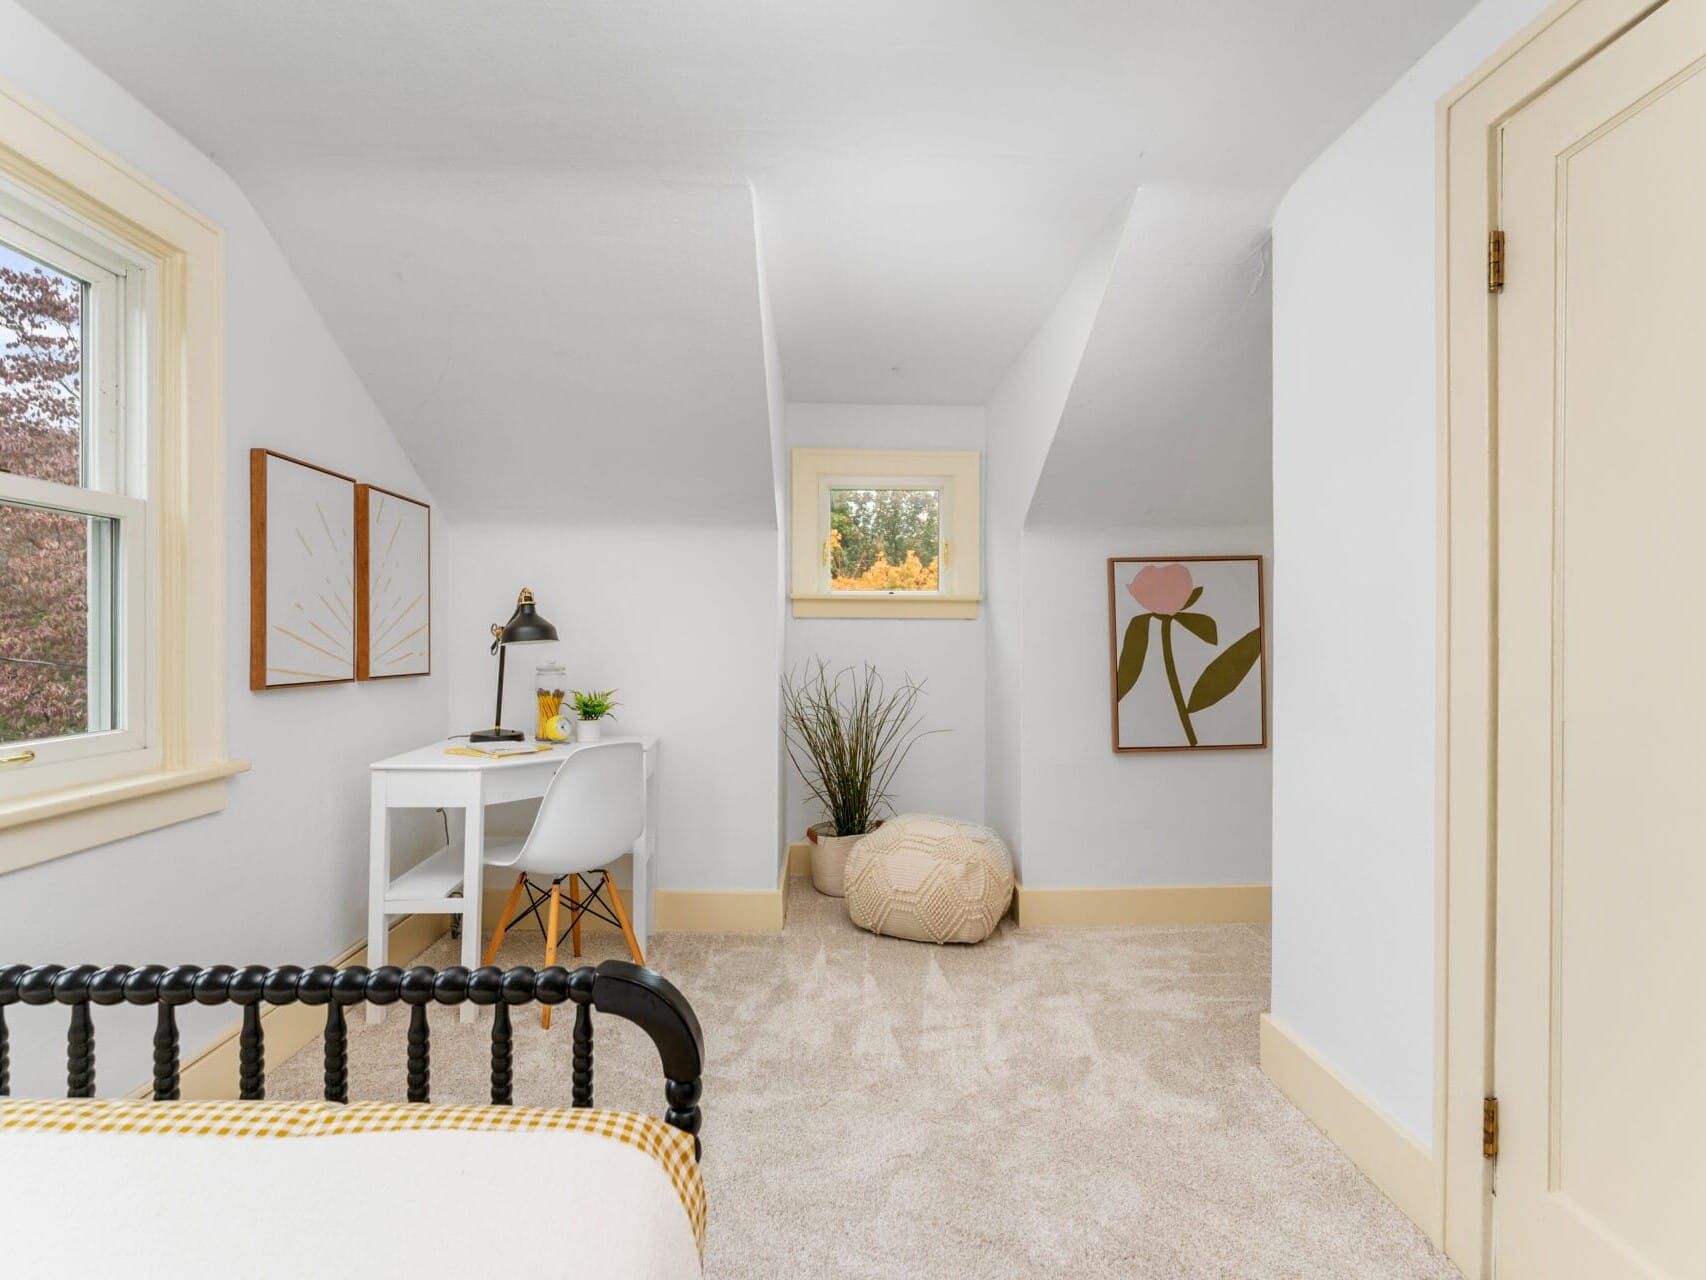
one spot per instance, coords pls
(860, 640)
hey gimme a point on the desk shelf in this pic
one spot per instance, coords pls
(432, 885)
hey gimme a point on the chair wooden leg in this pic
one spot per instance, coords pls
(503, 920)
(622, 915)
(551, 941)
(575, 904)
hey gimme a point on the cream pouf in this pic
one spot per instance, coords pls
(929, 879)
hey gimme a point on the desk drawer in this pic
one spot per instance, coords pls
(430, 788)
(520, 782)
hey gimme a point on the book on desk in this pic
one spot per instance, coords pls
(499, 753)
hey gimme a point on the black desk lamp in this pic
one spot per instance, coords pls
(525, 626)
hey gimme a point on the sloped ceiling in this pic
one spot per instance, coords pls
(520, 217)
(1168, 423)
(558, 346)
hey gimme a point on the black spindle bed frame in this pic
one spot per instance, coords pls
(614, 987)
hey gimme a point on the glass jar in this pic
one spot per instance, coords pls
(550, 685)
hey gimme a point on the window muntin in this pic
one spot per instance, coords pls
(73, 511)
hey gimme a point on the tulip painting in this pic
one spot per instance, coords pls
(1178, 608)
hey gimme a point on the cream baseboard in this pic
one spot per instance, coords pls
(211, 1075)
(1143, 904)
(723, 910)
(1393, 1160)
(1126, 904)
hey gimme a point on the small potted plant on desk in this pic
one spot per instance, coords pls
(847, 736)
(592, 709)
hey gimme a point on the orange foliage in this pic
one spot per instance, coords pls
(911, 574)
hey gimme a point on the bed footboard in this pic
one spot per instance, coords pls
(615, 987)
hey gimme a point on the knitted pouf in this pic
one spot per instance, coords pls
(929, 879)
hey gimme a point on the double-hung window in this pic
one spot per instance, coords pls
(112, 498)
(73, 507)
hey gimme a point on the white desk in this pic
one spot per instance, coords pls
(451, 880)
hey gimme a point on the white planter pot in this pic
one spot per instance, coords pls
(589, 731)
(829, 863)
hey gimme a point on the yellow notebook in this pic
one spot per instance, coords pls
(495, 753)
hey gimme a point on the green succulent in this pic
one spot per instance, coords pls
(595, 704)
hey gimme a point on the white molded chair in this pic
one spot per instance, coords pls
(593, 812)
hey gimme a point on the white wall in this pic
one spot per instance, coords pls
(776, 409)
(1355, 532)
(945, 772)
(682, 622)
(1090, 816)
(280, 875)
(1020, 423)
(1077, 814)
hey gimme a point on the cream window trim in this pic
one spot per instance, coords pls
(182, 255)
(73, 819)
(957, 473)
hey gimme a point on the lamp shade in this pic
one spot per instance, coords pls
(525, 626)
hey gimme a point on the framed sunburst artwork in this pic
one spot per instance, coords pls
(393, 617)
(301, 573)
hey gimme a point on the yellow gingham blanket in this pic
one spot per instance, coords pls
(670, 1147)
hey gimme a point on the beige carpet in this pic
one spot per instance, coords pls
(1064, 1102)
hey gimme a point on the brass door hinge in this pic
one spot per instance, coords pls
(1489, 1127)
(1495, 261)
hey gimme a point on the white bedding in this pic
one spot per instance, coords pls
(77, 1201)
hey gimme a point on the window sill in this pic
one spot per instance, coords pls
(39, 828)
(885, 606)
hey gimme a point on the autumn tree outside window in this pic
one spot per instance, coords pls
(71, 518)
(885, 538)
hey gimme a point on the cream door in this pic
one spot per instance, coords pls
(1599, 1056)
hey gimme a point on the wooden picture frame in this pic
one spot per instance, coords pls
(1164, 716)
(393, 577)
(301, 573)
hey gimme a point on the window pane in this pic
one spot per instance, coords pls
(53, 681)
(41, 370)
(884, 539)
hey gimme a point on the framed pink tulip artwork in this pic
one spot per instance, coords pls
(1186, 647)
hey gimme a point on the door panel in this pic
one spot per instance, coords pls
(1600, 1003)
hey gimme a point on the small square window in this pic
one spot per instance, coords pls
(878, 534)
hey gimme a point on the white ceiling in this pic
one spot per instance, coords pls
(927, 173)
